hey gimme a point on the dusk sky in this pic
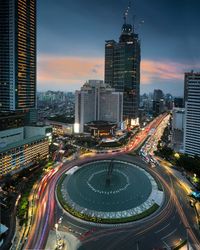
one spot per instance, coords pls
(72, 34)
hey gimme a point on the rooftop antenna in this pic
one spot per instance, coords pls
(126, 12)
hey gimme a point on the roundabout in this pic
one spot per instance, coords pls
(109, 191)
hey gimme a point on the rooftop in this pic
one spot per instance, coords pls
(21, 143)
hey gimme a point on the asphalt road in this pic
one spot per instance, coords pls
(163, 230)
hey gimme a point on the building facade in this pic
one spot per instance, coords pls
(23, 154)
(21, 147)
(60, 128)
(178, 119)
(192, 113)
(97, 101)
(158, 102)
(122, 70)
(10, 120)
(18, 56)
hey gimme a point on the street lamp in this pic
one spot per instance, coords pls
(176, 155)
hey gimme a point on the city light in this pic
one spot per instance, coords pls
(99, 132)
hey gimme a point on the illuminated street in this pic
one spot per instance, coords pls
(99, 125)
(168, 227)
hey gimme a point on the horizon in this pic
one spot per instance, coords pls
(77, 34)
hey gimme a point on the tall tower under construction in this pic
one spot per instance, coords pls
(122, 69)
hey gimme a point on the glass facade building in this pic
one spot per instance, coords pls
(122, 70)
(17, 55)
(192, 113)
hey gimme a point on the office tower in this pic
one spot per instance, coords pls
(11, 120)
(97, 101)
(158, 102)
(192, 113)
(122, 70)
(18, 55)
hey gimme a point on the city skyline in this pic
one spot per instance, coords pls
(69, 53)
(106, 167)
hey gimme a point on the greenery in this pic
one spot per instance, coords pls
(165, 152)
(182, 161)
(191, 164)
(86, 217)
(23, 206)
(165, 136)
(86, 142)
(114, 144)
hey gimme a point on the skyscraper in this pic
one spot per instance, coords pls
(122, 70)
(17, 55)
(158, 101)
(192, 113)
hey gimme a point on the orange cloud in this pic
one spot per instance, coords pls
(152, 71)
(63, 70)
(68, 72)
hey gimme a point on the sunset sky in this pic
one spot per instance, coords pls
(72, 34)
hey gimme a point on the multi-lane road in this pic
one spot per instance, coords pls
(169, 226)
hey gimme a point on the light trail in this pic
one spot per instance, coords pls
(43, 219)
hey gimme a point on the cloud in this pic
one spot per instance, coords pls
(67, 72)
(161, 71)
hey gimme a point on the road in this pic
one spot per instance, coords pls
(162, 230)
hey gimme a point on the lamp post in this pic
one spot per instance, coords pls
(59, 243)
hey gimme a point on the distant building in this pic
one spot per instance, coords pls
(61, 128)
(122, 70)
(178, 119)
(168, 102)
(178, 102)
(101, 128)
(158, 102)
(192, 113)
(178, 115)
(18, 57)
(21, 147)
(146, 103)
(97, 101)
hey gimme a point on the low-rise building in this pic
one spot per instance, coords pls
(22, 147)
(19, 155)
(60, 128)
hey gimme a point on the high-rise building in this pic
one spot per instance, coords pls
(122, 70)
(158, 101)
(97, 101)
(18, 55)
(192, 113)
